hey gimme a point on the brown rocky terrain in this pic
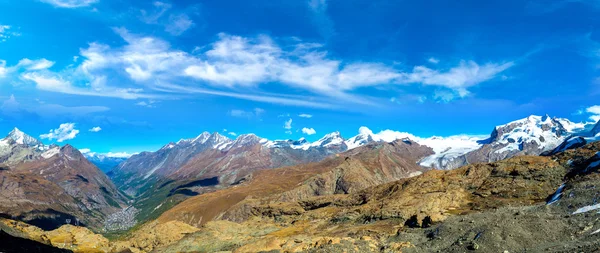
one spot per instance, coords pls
(348, 172)
(32, 198)
(50, 186)
(489, 207)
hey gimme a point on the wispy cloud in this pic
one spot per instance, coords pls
(152, 16)
(304, 115)
(238, 67)
(70, 3)
(178, 24)
(6, 33)
(3, 70)
(308, 131)
(175, 24)
(148, 104)
(433, 60)
(55, 83)
(35, 64)
(12, 108)
(232, 133)
(288, 125)
(64, 132)
(320, 18)
(95, 129)
(459, 78)
(255, 113)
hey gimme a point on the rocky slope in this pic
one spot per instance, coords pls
(369, 165)
(494, 207)
(50, 185)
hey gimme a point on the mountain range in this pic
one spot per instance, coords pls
(214, 155)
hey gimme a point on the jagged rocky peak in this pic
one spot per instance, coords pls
(22, 138)
(216, 141)
(71, 151)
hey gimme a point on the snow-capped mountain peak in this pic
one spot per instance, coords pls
(365, 135)
(22, 138)
(218, 141)
(544, 131)
(246, 140)
(329, 139)
(202, 138)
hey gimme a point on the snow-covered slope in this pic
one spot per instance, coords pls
(449, 148)
(579, 139)
(23, 139)
(533, 135)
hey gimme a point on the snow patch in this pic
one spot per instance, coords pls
(51, 152)
(587, 209)
(154, 169)
(557, 195)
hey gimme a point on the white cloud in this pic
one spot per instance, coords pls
(287, 124)
(48, 82)
(35, 64)
(64, 132)
(595, 111)
(433, 60)
(6, 34)
(232, 133)
(148, 104)
(95, 129)
(458, 78)
(256, 112)
(3, 70)
(89, 152)
(235, 66)
(70, 3)
(86, 151)
(304, 115)
(178, 24)
(309, 131)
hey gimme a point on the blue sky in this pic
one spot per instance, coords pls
(147, 73)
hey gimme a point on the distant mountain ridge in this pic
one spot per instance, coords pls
(105, 162)
(532, 135)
